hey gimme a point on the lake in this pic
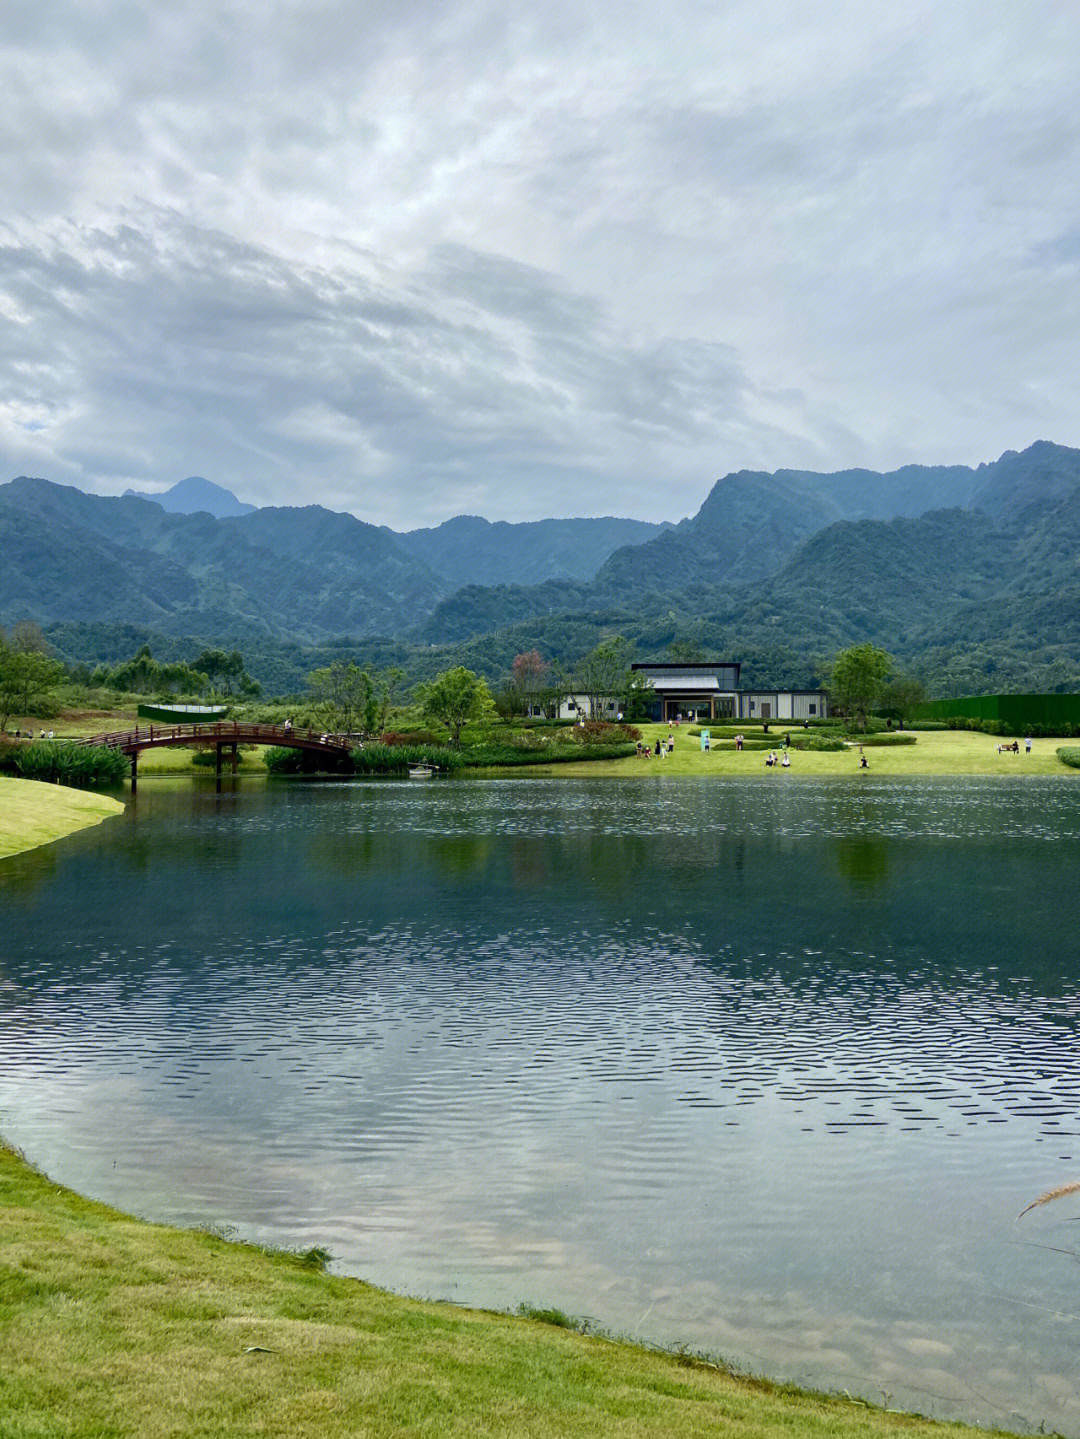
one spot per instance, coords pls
(765, 1067)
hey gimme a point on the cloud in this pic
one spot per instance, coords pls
(408, 259)
(155, 347)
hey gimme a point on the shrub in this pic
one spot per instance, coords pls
(410, 737)
(82, 766)
(1069, 754)
(603, 732)
(887, 739)
(286, 759)
(494, 755)
(819, 743)
(395, 759)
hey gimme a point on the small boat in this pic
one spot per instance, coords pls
(421, 771)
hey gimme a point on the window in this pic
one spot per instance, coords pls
(813, 709)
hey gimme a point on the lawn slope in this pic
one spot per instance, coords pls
(113, 1327)
(33, 813)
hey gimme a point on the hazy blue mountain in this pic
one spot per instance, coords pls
(188, 497)
(470, 550)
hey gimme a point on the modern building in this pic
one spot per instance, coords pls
(711, 691)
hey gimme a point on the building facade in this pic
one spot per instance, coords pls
(711, 691)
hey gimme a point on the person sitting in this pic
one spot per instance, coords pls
(786, 761)
(862, 761)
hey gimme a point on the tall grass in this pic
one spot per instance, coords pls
(80, 766)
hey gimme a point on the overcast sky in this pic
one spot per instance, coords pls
(525, 259)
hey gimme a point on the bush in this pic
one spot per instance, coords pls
(497, 756)
(410, 737)
(819, 743)
(396, 758)
(603, 732)
(1069, 754)
(286, 759)
(886, 739)
(79, 765)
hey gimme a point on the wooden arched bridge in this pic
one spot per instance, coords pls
(225, 736)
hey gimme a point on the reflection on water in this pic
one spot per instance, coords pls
(765, 1070)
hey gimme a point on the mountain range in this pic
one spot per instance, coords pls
(970, 575)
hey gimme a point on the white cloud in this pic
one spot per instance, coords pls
(405, 258)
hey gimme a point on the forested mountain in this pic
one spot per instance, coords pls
(780, 569)
(469, 550)
(302, 573)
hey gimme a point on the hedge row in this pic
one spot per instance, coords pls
(1069, 754)
(1039, 714)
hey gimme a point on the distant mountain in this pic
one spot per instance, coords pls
(195, 495)
(469, 550)
(979, 589)
(302, 574)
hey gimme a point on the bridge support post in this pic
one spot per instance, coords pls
(235, 758)
(217, 765)
(135, 770)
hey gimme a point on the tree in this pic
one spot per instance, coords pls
(899, 696)
(603, 675)
(391, 686)
(530, 671)
(27, 677)
(26, 637)
(345, 696)
(856, 678)
(455, 697)
(225, 671)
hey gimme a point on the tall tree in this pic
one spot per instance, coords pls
(856, 679)
(455, 697)
(27, 678)
(603, 675)
(345, 696)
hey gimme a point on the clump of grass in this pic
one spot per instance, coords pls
(557, 1317)
(78, 766)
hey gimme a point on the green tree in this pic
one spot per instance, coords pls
(899, 695)
(391, 688)
(603, 675)
(455, 697)
(345, 697)
(27, 678)
(856, 679)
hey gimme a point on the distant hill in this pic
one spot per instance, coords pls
(469, 550)
(971, 576)
(190, 496)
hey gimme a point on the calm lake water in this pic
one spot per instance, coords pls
(766, 1067)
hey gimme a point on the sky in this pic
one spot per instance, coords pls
(415, 260)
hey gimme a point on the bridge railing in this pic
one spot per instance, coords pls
(221, 732)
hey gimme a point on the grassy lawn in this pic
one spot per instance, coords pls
(113, 1327)
(942, 752)
(33, 813)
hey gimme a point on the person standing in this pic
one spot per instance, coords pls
(1027, 744)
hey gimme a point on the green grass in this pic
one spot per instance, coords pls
(111, 1327)
(940, 752)
(32, 813)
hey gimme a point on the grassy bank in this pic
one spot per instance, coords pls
(33, 813)
(113, 1327)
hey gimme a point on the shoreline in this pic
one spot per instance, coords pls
(34, 814)
(119, 1325)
